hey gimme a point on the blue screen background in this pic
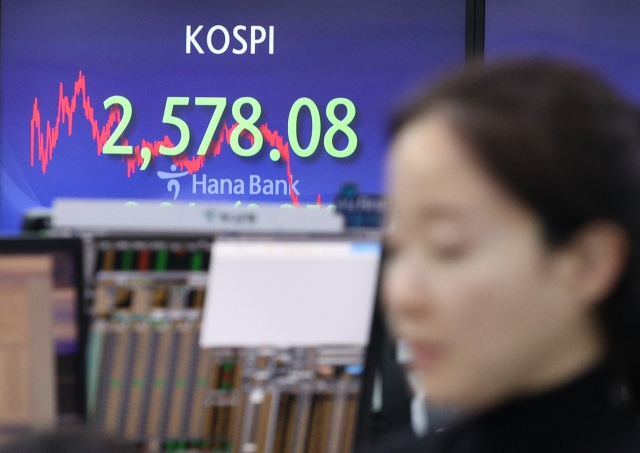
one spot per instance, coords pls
(603, 35)
(370, 52)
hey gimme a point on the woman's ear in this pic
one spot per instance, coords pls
(597, 255)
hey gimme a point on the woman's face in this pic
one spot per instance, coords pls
(481, 301)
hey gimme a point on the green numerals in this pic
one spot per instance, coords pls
(337, 125)
(247, 124)
(245, 127)
(293, 127)
(219, 104)
(342, 126)
(110, 146)
(168, 118)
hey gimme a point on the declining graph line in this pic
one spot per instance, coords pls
(47, 140)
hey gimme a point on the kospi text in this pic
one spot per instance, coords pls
(218, 39)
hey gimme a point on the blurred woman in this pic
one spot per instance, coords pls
(514, 275)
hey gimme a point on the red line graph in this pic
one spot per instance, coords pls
(46, 141)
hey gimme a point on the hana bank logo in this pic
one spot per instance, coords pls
(173, 184)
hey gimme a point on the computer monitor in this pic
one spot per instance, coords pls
(145, 372)
(287, 293)
(288, 117)
(42, 331)
(273, 365)
(290, 321)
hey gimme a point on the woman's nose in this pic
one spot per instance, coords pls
(403, 286)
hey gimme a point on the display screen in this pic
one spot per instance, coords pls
(40, 337)
(238, 102)
(601, 35)
(293, 339)
(274, 363)
(301, 293)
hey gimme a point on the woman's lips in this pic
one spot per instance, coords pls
(424, 355)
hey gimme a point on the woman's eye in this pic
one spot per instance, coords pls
(449, 252)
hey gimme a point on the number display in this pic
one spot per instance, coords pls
(293, 127)
(110, 146)
(219, 104)
(244, 127)
(168, 118)
(342, 126)
(246, 124)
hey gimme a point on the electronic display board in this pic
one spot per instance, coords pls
(238, 102)
(603, 35)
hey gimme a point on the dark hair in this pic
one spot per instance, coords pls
(67, 440)
(564, 143)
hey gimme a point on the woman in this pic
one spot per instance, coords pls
(514, 274)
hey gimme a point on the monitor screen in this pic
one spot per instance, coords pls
(249, 344)
(601, 35)
(290, 294)
(147, 379)
(40, 334)
(240, 102)
(290, 322)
